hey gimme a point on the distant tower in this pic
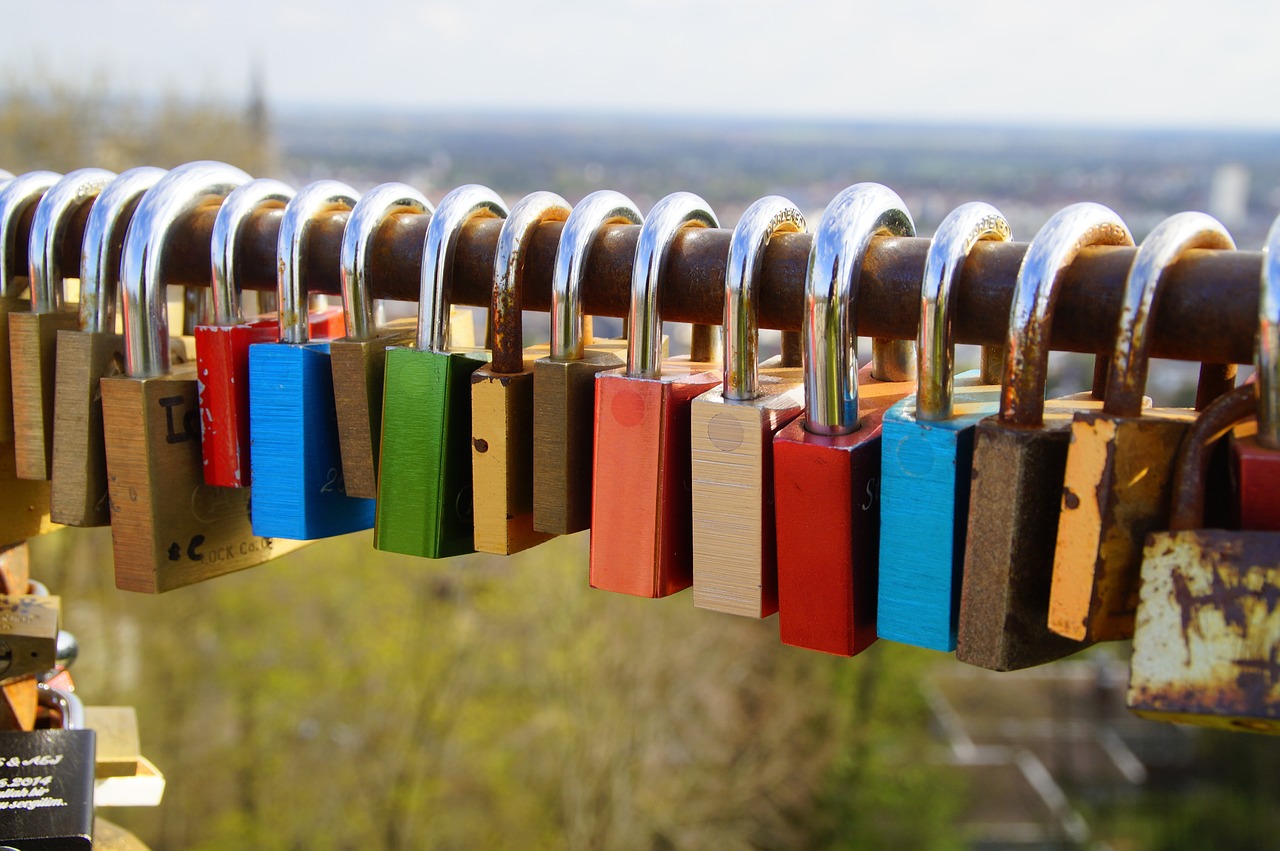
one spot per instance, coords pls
(1229, 194)
(256, 116)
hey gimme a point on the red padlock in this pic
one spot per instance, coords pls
(1256, 457)
(641, 511)
(827, 461)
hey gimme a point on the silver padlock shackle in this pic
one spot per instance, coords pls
(830, 321)
(5, 176)
(1035, 292)
(16, 196)
(569, 334)
(763, 220)
(506, 308)
(672, 214)
(322, 196)
(67, 703)
(143, 293)
(1168, 241)
(49, 225)
(103, 242)
(962, 229)
(1268, 360)
(236, 209)
(460, 206)
(375, 207)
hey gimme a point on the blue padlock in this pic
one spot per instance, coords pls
(927, 452)
(298, 489)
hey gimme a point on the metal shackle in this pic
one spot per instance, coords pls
(16, 197)
(764, 219)
(1035, 292)
(569, 335)
(672, 214)
(322, 196)
(64, 200)
(223, 243)
(143, 295)
(1167, 242)
(830, 321)
(371, 212)
(460, 206)
(963, 228)
(103, 242)
(5, 176)
(66, 703)
(505, 313)
(1268, 359)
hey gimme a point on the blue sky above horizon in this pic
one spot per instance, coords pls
(1174, 64)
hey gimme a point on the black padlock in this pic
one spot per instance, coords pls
(46, 781)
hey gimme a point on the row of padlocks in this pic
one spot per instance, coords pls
(957, 512)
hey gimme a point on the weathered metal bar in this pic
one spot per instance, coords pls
(1208, 311)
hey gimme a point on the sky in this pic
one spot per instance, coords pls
(1170, 64)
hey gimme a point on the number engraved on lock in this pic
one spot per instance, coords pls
(334, 482)
(190, 420)
(32, 791)
(872, 491)
(209, 504)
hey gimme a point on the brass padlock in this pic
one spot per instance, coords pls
(502, 394)
(1207, 632)
(85, 355)
(564, 387)
(119, 747)
(359, 359)
(1018, 462)
(1119, 472)
(168, 528)
(735, 567)
(28, 634)
(33, 336)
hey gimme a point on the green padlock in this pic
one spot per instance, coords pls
(424, 482)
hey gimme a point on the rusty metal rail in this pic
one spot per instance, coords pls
(1208, 311)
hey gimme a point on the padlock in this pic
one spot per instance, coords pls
(33, 335)
(119, 747)
(1019, 457)
(28, 634)
(564, 382)
(298, 489)
(641, 505)
(502, 394)
(731, 435)
(359, 359)
(927, 452)
(424, 476)
(46, 780)
(86, 354)
(1207, 632)
(1255, 451)
(1116, 485)
(168, 528)
(827, 461)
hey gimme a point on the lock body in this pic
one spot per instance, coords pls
(9, 307)
(168, 528)
(222, 354)
(424, 484)
(641, 518)
(50, 773)
(924, 515)
(1014, 504)
(28, 634)
(827, 492)
(735, 552)
(79, 483)
(298, 490)
(1257, 472)
(33, 339)
(1116, 489)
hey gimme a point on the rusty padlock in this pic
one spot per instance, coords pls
(424, 477)
(1207, 633)
(735, 566)
(502, 394)
(168, 528)
(1118, 478)
(33, 336)
(1018, 461)
(359, 359)
(1255, 451)
(641, 513)
(564, 384)
(827, 461)
(928, 451)
(86, 354)
(24, 505)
